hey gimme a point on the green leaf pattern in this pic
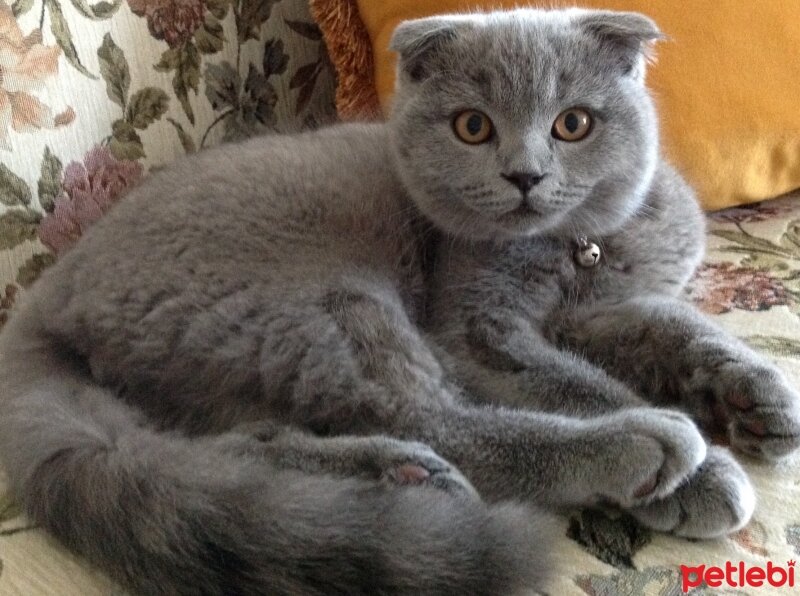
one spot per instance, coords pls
(186, 140)
(61, 30)
(222, 85)
(250, 16)
(20, 7)
(146, 106)
(33, 267)
(126, 142)
(184, 63)
(18, 226)
(13, 190)
(210, 38)
(114, 70)
(97, 12)
(49, 183)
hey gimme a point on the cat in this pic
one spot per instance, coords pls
(358, 360)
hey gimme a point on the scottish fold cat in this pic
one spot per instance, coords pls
(332, 362)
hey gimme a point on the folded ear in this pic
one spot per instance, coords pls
(627, 37)
(420, 40)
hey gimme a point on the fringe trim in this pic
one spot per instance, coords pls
(350, 50)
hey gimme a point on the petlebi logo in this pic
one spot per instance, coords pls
(738, 575)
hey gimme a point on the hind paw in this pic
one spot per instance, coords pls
(387, 460)
(409, 463)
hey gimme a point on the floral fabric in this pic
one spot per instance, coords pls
(94, 95)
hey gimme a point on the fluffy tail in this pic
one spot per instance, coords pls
(167, 514)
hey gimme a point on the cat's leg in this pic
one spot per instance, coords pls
(374, 457)
(170, 513)
(385, 459)
(670, 352)
(502, 358)
(363, 368)
(674, 355)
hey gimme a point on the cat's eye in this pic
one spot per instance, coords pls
(573, 124)
(473, 127)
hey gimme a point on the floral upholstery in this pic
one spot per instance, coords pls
(94, 95)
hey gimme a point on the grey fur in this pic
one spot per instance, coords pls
(220, 388)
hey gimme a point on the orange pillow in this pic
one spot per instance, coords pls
(727, 82)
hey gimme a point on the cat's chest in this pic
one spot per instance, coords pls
(545, 267)
(558, 274)
(555, 272)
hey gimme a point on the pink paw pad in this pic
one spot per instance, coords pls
(740, 401)
(411, 474)
(647, 488)
(757, 427)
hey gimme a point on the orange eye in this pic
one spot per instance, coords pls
(473, 127)
(573, 124)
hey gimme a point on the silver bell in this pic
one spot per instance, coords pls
(587, 255)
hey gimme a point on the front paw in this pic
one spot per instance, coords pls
(759, 408)
(647, 454)
(716, 501)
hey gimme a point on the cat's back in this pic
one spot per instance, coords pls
(267, 195)
(269, 212)
(333, 172)
(265, 181)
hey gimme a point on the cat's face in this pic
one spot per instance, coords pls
(510, 124)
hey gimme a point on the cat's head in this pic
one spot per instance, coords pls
(512, 123)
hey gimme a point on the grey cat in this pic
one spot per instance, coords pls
(293, 365)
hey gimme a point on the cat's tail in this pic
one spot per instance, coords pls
(167, 514)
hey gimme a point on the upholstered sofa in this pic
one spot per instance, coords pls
(92, 96)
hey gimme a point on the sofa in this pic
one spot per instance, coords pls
(93, 96)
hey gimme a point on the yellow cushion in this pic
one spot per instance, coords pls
(727, 82)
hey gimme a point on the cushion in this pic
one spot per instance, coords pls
(726, 82)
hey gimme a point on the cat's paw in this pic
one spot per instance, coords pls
(649, 453)
(411, 463)
(389, 461)
(717, 500)
(759, 408)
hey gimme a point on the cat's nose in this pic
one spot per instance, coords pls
(524, 180)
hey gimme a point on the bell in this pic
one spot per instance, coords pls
(587, 255)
